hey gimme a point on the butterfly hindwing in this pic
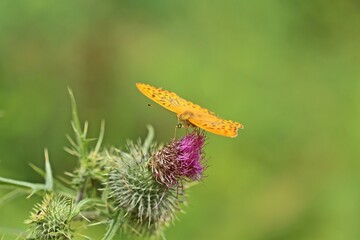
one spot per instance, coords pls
(216, 125)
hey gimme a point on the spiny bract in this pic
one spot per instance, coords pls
(148, 205)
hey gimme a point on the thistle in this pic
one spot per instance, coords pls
(179, 160)
(148, 205)
(142, 186)
(51, 219)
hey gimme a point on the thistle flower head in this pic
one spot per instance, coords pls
(147, 204)
(179, 160)
(51, 219)
(190, 155)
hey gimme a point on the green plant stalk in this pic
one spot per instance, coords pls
(81, 144)
(80, 136)
(114, 226)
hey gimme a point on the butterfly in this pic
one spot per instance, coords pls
(190, 113)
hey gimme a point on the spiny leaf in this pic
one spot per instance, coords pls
(49, 183)
(37, 169)
(74, 112)
(10, 196)
(149, 139)
(101, 137)
(114, 226)
(22, 184)
(84, 204)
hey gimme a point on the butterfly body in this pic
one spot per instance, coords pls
(190, 113)
(185, 115)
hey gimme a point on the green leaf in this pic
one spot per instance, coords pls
(58, 185)
(10, 196)
(148, 140)
(113, 227)
(101, 137)
(76, 120)
(22, 184)
(49, 182)
(37, 170)
(80, 135)
(85, 203)
(16, 233)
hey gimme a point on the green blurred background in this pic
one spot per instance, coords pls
(288, 70)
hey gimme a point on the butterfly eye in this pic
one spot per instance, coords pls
(179, 125)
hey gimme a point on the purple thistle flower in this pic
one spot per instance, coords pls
(179, 160)
(190, 155)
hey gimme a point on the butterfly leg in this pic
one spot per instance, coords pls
(179, 125)
(186, 130)
(188, 125)
(175, 131)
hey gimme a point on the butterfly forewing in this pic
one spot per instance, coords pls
(168, 100)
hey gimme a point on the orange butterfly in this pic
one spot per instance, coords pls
(189, 112)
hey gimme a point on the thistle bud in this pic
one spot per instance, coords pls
(51, 219)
